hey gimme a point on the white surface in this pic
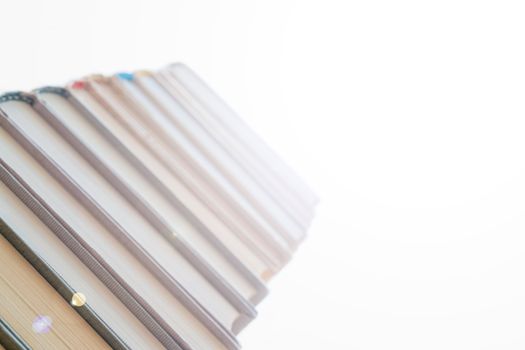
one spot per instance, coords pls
(408, 118)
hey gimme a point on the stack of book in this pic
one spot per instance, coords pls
(138, 211)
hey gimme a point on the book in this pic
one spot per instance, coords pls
(70, 258)
(169, 184)
(138, 211)
(70, 121)
(101, 89)
(129, 245)
(35, 310)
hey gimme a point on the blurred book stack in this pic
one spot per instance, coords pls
(138, 212)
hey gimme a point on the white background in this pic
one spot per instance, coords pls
(406, 116)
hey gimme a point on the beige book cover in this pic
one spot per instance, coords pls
(27, 217)
(36, 311)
